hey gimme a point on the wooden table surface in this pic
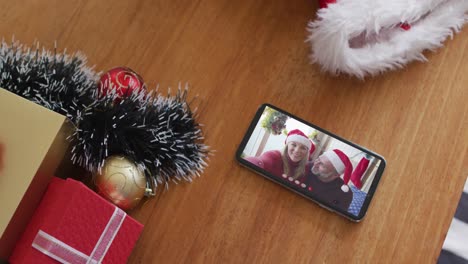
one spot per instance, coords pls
(238, 54)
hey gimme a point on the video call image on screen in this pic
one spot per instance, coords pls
(316, 163)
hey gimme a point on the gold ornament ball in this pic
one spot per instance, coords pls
(121, 182)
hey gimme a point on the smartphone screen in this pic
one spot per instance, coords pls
(337, 174)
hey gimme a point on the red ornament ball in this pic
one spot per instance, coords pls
(122, 79)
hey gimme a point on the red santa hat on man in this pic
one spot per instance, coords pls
(342, 165)
(298, 136)
(356, 177)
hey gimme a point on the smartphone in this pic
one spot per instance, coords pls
(337, 174)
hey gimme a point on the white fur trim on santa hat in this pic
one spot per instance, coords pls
(431, 22)
(300, 139)
(335, 161)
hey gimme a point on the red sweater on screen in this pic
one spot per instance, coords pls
(272, 162)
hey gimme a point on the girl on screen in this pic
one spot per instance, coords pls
(290, 163)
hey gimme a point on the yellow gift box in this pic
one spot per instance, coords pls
(32, 146)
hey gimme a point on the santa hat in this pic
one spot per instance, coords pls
(358, 172)
(342, 165)
(298, 136)
(367, 37)
(324, 3)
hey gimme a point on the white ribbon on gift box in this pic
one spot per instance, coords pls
(63, 253)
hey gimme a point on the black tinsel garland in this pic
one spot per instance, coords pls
(158, 132)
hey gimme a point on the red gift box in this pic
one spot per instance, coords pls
(75, 225)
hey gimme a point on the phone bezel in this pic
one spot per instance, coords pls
(301, 191)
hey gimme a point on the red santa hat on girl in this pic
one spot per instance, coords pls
(342, 165)
(298, 136)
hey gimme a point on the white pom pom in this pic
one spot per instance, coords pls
(345, 188)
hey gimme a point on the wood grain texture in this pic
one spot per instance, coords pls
(238, 54)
